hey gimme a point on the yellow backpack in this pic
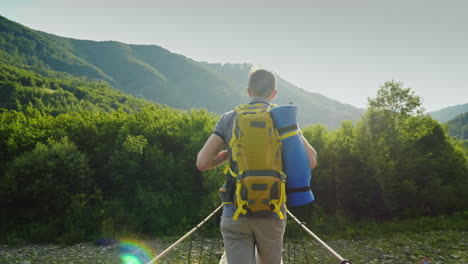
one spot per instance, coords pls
(260, 184)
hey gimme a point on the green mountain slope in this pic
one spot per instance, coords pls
(154, 73)
(21, 88)
(23, 47)
(458, 126)
(445, 114)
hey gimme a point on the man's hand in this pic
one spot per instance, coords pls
(223, 155)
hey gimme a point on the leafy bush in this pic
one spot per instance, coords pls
(41, 182)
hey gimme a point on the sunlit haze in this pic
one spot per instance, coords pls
(342, 49)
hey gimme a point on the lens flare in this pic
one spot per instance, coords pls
(134, 252)
(129, 259)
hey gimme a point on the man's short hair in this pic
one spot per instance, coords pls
(262, 83)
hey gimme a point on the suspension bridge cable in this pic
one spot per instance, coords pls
(305, 252)
(336, 255)
(201, 251)
(158, 257)
(211, 251)
(190, 250)
(294, 252)
(340, 258)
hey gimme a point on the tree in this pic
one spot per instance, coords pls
(41, 182)
(394, 98)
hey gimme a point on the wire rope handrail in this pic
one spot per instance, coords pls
(301, 224)
(323, 244)
(185, 236)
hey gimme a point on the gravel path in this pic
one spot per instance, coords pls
(449, 247)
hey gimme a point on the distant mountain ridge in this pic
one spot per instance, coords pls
(154, 73)
(314, 107)
(445, 114)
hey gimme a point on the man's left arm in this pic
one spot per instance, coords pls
(311, 153)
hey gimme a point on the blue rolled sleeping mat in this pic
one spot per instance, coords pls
(295, 161)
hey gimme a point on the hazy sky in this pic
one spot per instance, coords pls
(342, 49)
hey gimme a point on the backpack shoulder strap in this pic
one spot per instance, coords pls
(239, 108)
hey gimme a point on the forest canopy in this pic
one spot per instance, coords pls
(79, 164)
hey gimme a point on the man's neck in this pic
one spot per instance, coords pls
(257, 99)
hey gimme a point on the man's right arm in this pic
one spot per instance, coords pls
(211, 156)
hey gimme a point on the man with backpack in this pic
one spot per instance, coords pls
(254, 214)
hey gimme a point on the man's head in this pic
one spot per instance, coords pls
(262, 83)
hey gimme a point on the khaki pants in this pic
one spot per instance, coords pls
(241, 237)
